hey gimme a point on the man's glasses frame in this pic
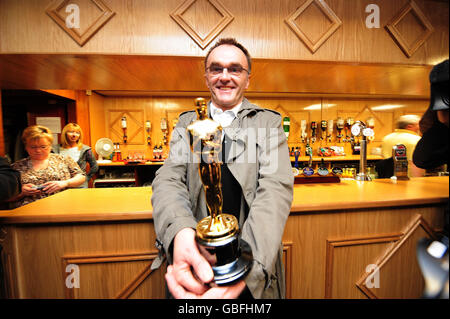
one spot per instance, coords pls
(234, 70)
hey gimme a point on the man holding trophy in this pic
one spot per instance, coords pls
(222, 198)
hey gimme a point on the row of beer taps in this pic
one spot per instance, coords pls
(343, 127)
(148, 127)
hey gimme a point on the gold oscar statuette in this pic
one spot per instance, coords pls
(218, 234)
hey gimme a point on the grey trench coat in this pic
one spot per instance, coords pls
(259, 160)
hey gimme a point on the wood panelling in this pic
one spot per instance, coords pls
(287, 262)
(135, 120)
(98, 119)
(213, 10)
(325, 255)
(124, 273)
(178, 75)
(121, 204)
(328, 241)
(332, 251)
(116, 255)
(394, 263)
(145, 27)
(87, 12)
(341, 260)
(82, 113)
(410, 28)
(314, 22)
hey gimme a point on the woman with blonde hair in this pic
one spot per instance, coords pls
(72, 146)
(44, 173)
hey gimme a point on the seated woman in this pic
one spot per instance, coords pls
(44, 173)
(72, 146)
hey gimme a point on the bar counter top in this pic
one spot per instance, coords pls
(133, 203)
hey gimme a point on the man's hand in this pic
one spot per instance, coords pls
(182, 278)
(226, 292)
(190, 274)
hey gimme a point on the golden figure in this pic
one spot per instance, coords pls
(206, 142)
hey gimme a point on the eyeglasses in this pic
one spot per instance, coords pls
(216, 70)
(74, 133)
(40, 147)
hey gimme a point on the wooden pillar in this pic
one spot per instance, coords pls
(82, 113)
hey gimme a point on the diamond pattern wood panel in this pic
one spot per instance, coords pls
(313, 46)
(391, 27)
(135, 126)
(392, 265)
(204, 41)
(83, 38)
(104, 267)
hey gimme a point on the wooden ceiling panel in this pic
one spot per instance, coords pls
(183, 75)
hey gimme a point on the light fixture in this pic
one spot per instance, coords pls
(386, 107)
(318, 107)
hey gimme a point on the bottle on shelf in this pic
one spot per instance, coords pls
(286, 126)
(119, 153)
(114, 158)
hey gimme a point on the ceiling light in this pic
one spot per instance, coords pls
(386, 107)
(318, 106)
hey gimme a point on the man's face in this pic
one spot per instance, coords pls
(227, 88)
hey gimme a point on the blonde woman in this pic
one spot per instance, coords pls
(44, 173)
(72, 146)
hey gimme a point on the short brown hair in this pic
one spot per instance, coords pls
(69, 128)
(35, 132)
(405, 120)
(231, 41)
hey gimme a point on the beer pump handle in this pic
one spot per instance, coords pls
(323, 126)
(330, 130)
(303, 130)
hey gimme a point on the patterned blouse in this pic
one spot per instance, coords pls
(59, 168)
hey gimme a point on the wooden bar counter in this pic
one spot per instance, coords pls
(336, 235)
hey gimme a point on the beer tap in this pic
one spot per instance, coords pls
(330, 130)
(124, 128)
(308, 170)
(164, 129)
(360, 129)
(148, 128)
(296, 166)
(371, 124)
(348, 125)
(286, 126)
(313, 132)
(339, 128)
(303, 130)
(323, 126)
(308, 148)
